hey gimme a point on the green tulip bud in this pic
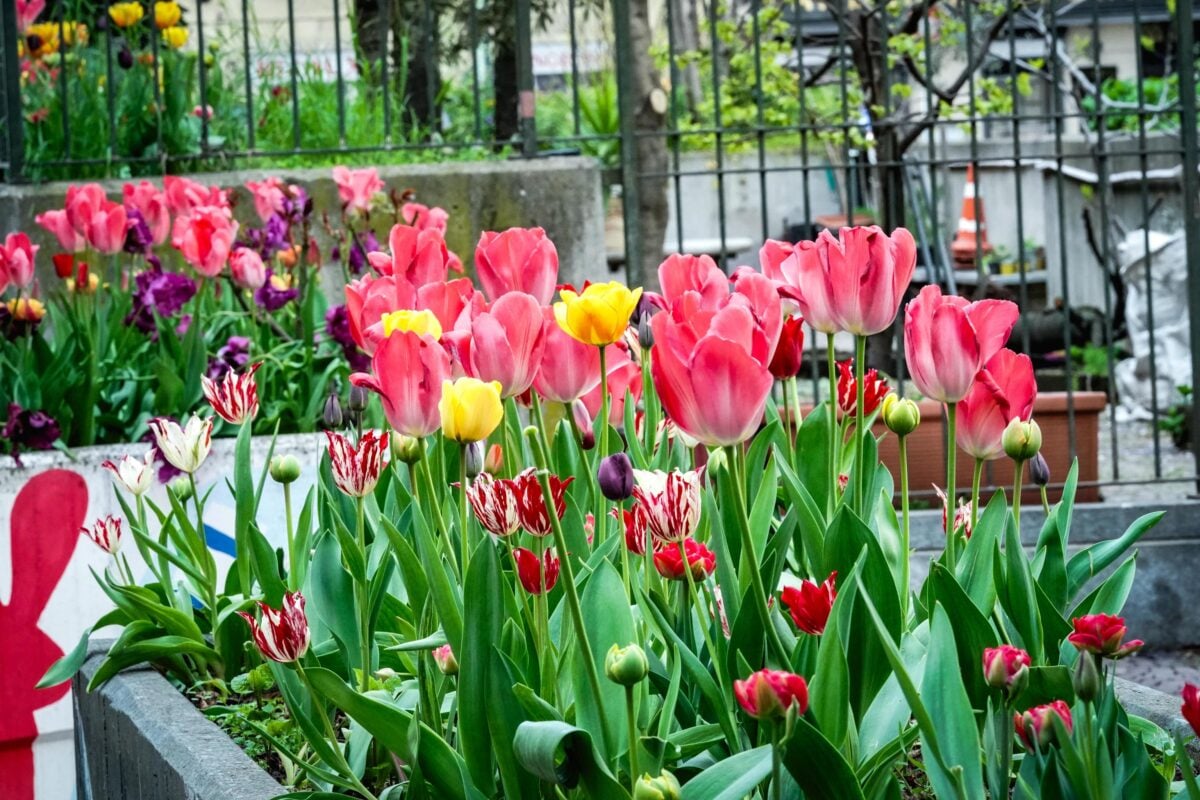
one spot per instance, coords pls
(181, 487)
(627, 665)
(406, 449)
(1022, 440)
(664, 787)
(284, 469)
(900, 415)
(1087, 677)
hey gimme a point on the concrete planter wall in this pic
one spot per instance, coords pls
(139, 738)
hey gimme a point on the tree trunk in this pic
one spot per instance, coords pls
(504, 84)
(685, 32)
(417, 62)
(369, 32)
(650, 103)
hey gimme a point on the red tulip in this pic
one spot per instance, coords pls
(235, 398)
(1005, 666)
(418, 256)
(789, 353)
(205, 238)
(624, 375)
(531, 504)
(506, 343)
(106, 533)
(407, 371)
(875, 388)
(147, 200)
(680, 274)
(1101, 634)
(768, 693)
(1034, 728)
(710, 370)
(1191, 706)
(810, 603)
(853, 282)
(356, 469)
(56, 222)
(184, 194)
(568, 368)
(357, 187)
(281, 635)
(700, 560)
(671, 501)
(1004, 390)
(537, 576)
(517, 260)
(494, 501)
(633, 522)
(947, 340)
(17, 256)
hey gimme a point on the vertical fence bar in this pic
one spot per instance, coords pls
(249, 75)
(575, 64)
(760, 120)
(291, 21)
(156, 51)
(526, 101)
(432, 73)
(718, 125)
(63, 93)
(203, 76)
(629, 159)
(473, 37)
(673, 125)
(815, 358)
(1018, 189)
(341, 80)
(386, 72)
(1191, 204)
(14, 119)
(110, 98)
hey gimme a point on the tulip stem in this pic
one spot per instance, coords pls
(633, 738)
(756, 581)
(976, 477)
(776, 771)
(831, 358)
(569, 588)
(705, 619)
(207, 563)
(1018, 475)
(601, 446)
(1045, 502)
(951, 491)
(293, 556)
(342, 766)
(363, 598)
(905, 553)
(860, 468)
(463, 487)
(431, 501)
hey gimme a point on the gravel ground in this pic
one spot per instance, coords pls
(1136, 462)
(1165, 670)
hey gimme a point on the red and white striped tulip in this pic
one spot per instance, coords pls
(356, 469)
(671, 501)
(494, 501)
(184, 448)
(281, 634)
(531, 504)
(106, 533)
(135, 474)
(235, 397)
(537, 575)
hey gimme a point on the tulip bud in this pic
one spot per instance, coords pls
(645, 332)
(583, 421)
(406, 449)
(627, 665)
(493, 462)
(1087, 677)
(284, 469)
(332, 416)
(1006, 667)
(357, 402)
(446, 662)
(125, 58)
(1022, 440)
(181, 487)
(664, 787)
(616, 477)
(900, 415)
(385, 673)
(1039, 470)
(473, 455)
(260, 679)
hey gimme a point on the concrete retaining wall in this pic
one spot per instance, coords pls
(138, 738)
(560, 194)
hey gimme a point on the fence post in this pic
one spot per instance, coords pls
(629, 160)
(526, 102)
(1191, 202)
(14, 119)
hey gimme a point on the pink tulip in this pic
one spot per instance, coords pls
(357, 187)
(368, 299)
(82, 204)
(449, 301)
(771, 257)
(506, 343)
(1003, 390)
(700, 274)
(269, 196)
(57, 223)
(27, 13)
(423, 217)
(418, 256)
(947, 340)
(184, 194)
(853, 282)
(205, 238)
(17, 261)
(710, 384)
(517, 260)
(569, 368)
(152, 205)
(247, 268)
(623, 376)
(407, 371)
(758, 295)
(106, 229)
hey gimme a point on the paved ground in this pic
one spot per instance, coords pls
(1136, 461)
(1165, 670)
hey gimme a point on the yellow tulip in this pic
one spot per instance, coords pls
(422, 323)
(167, 15)
(599, 315)
(26, 309)
(470, 409)
(175, 36)
(125, 14)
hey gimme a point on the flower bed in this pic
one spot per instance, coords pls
(512, 573)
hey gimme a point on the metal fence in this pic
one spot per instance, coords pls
(720, 124)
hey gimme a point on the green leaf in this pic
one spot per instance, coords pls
(731, 779)
(608, 622)
(148, 651)
(65, 668)
(961, 774)
(563, 754)
(834, 778)
(1018, 597)
(333, 597)
(972, 631)
(975, 569)
(829, 693)
(1090, 561)
(246, 556)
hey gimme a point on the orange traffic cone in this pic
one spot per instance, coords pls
(971, 239)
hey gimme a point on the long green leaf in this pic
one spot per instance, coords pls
(817, 765)
(731, 779)
(564, 755)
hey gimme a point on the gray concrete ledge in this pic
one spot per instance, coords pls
(1160, 708)
(138, 738)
